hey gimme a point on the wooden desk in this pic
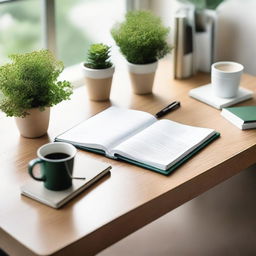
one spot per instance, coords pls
(132, 197)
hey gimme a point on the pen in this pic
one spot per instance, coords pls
(167, 109)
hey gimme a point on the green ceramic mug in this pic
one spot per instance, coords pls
(56, 164)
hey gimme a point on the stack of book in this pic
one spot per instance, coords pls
(194, 34)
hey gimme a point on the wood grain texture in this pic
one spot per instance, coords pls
(132, 196)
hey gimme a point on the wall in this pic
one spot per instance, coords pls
(236, 33)
(166, 10)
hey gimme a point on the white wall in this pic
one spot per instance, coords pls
(236, 33)
(166, 10)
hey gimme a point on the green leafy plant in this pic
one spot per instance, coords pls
(30, 81)
(98, 57)
(141, 37)
(204, 4)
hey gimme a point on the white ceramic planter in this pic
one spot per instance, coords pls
(142, 77)
(35, 124)
(98, 82)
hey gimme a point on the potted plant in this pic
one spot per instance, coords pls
(98, 71)
(142, 40)
(29, 87)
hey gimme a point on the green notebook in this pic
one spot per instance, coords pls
(139, 138)
(243, 117)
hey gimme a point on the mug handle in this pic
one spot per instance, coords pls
(31, 165)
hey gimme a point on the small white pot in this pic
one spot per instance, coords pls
(98, 82)
(35, 124)
(142, 77)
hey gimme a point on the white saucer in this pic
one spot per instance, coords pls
(204, 93)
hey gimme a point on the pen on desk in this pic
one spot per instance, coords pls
(167, 109)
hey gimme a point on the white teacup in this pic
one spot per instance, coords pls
(225, 78)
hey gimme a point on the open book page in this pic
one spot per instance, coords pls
(108, 128)
(163, 144)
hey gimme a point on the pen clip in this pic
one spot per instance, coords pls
(173, 105)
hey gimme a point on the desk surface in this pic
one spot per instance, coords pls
(132, 197)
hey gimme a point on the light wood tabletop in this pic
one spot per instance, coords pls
(132, 196)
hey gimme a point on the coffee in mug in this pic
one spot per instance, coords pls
(225, 78)
(56, 165)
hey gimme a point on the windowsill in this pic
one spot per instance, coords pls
(72, 74)
(75, 75)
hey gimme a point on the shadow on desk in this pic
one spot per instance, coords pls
(2, 253)
(219, 222)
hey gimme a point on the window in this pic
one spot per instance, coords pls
(71, 25)
(20, 27)
(82, 22)
(65, 27)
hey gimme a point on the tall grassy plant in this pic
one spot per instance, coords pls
(141, 37)
(30, 81)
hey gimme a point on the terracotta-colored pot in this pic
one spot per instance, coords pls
(35, 124)
(98, 82)
(142, 77)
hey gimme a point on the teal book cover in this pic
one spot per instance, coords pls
(246, 113)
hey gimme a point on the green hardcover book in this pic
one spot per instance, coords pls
(243, 117)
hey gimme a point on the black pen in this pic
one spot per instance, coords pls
(167, 109)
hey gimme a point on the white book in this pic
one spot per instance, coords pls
(93, 171)
(139, 138)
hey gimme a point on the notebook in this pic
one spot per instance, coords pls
(204, 93)
(243, 117)
(139, 138)
(93, 172)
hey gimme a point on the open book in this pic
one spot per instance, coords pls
(139, 138)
